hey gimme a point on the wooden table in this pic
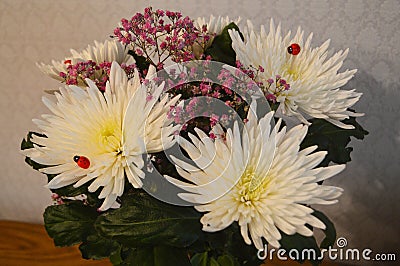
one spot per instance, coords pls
(28, 244)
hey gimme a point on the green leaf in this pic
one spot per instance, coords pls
(144, 220)
(205, 259)
(97, 247)
(200, 259)
(246, 254)
(330, 231)
(213, 262)
(69, 223)
(221, 49)
(157, 256)
(302, 244)
(227, 260)
(333, 139)
(116, 256)
(227, 247)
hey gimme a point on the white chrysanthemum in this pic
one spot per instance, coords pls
(266, 191)
(109, 51)
(314, 80)
(113, 131)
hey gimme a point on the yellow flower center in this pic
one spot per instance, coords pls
(251, 186)
(293, 74)
(109, 137)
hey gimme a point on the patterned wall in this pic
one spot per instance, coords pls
(42, 30)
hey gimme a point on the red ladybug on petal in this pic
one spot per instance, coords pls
(294, 49)
(82, 161)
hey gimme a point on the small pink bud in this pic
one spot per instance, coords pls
(271, 97)
(59, 201)
(54, 196)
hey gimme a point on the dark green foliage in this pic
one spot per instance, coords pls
(225, 246)
(301, 244)
(69, 224)
(144, 220)
(205, 259)
(330, 231)
(227, 260)
(221, 49)
(97, 247)
(141, 62)
(202, 259)
(333, 139)
(156, 256)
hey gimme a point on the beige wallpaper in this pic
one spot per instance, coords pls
(41, 30)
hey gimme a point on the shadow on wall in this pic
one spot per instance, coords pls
(368, 212)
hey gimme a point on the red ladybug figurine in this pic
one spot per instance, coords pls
(294, 49)
(82, 161)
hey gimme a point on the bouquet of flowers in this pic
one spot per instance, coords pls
(194, 142)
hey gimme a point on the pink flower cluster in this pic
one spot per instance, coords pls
(274, 87)
(159, 35)
(271, 88)
(186, 114)
(243, 82)
(99, 73)
(57, 199)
